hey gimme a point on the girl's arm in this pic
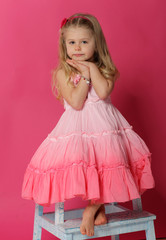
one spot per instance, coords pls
(103, 87)
(75, 96)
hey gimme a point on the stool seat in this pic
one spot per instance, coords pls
(66, 224)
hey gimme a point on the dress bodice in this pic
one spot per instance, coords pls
(91, 97)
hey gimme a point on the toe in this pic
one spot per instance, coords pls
(83, 230)
(88, 233)
(92, 233)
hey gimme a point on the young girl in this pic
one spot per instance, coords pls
(92, 152)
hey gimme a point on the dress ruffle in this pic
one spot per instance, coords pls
(100, 172)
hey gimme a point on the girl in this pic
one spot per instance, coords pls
(92, 152)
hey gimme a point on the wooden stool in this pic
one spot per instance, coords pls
(65, 225)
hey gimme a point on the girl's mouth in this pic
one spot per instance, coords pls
(78, 55)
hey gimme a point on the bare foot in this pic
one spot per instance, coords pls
(100, 217)
(87, 225)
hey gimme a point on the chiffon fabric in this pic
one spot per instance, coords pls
(92, 153)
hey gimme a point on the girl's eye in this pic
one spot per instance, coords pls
(72, 42)
(84, 42)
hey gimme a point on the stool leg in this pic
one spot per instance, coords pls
(150, 232)
(37, 229)
(116, 237)
(59, 212)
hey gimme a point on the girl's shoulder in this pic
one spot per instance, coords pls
(73, 78)
(60, 74)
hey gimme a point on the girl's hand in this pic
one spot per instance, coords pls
(82, 66)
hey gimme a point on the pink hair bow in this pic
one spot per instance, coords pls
(64, 21)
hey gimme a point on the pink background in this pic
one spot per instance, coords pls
(135, 33)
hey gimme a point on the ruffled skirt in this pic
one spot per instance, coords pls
(92, 153)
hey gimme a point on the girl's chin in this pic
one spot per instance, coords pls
(82, 59)
(79, 58)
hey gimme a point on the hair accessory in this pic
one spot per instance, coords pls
(79, 17)
(65, 20)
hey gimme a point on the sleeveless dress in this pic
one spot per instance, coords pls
(92, 153)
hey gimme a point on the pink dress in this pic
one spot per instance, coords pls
(92, 153)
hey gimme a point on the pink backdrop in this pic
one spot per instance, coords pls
(135, 32)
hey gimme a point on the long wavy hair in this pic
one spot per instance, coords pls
(101, 58)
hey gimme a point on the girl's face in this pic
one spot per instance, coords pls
(80, 43)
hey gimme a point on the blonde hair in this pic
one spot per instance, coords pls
(102, 57)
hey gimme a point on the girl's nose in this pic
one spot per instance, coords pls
(77, 47)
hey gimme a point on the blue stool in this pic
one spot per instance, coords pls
(65, 225)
